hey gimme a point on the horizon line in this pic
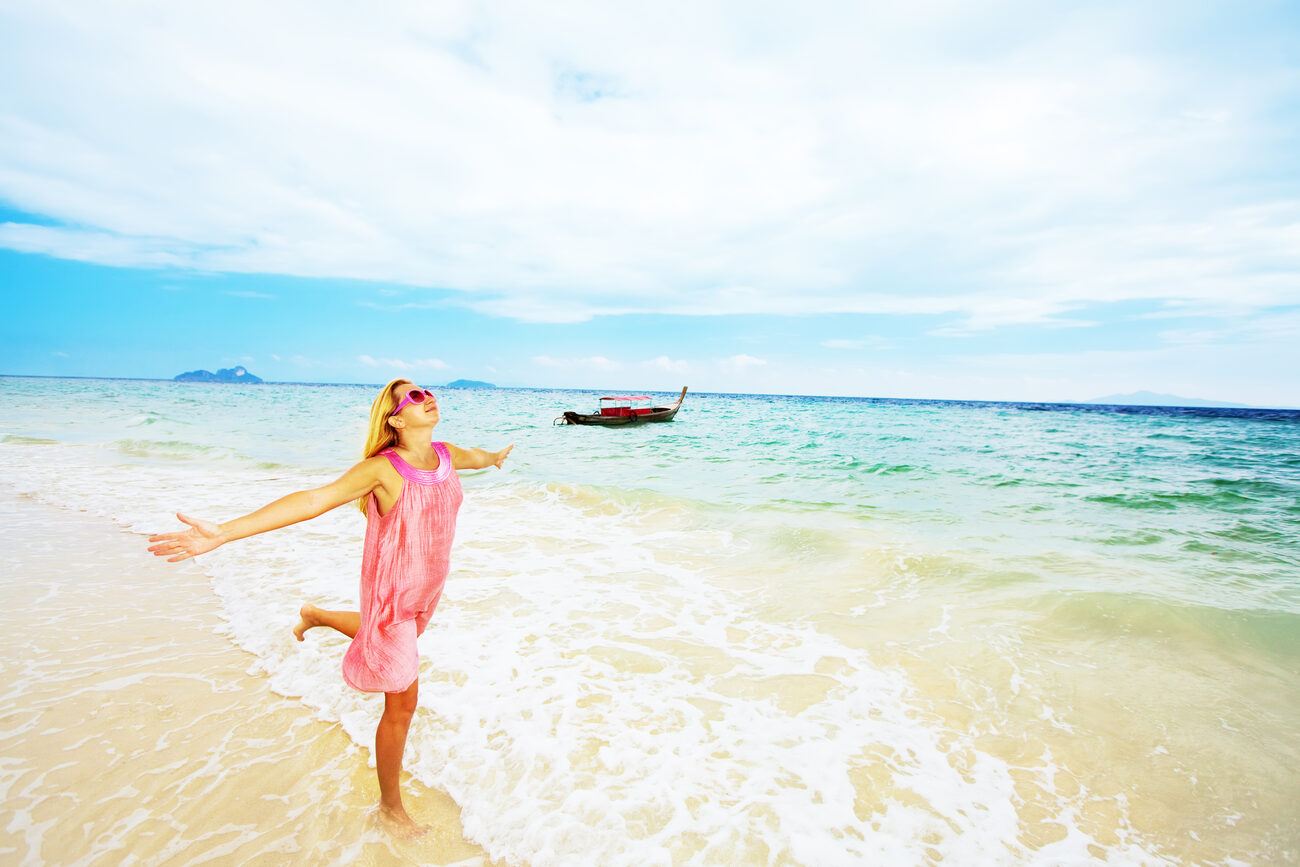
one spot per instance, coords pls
(661, 391)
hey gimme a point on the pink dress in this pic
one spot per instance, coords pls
(403, 567)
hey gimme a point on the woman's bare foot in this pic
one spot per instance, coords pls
(400, 824)
(307, 619)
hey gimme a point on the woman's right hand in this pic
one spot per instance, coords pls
(200, 538)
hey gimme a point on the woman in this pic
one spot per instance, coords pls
(410, 496)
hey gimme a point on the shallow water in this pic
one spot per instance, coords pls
(779, 629)
(131, 734)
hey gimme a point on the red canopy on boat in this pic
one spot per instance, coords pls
(628, 397)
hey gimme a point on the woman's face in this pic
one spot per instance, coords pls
(425, 411)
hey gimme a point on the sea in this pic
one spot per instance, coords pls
(780, 629)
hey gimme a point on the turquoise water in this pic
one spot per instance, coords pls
(1021, 632)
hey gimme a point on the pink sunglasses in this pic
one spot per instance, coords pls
(415, 395)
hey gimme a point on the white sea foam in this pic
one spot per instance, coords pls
(596, 689)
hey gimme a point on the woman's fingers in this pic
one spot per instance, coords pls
(182, 545)
(168, 539)
(165, 537)
(179, 546)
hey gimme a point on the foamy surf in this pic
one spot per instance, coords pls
(612, 700)
(968, 660)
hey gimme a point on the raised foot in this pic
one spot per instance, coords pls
(307, 618)
(400, 824)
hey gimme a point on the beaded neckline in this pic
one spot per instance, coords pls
(419, 476)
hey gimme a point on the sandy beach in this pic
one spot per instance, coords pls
(982, 643)
(134, 732)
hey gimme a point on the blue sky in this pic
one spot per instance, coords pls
(1015, 201)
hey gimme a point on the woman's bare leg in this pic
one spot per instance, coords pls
(347, 622)
(390, 743)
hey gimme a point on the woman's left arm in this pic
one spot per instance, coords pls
(477, 459)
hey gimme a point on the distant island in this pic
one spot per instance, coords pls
(226, 374)
(469, 383)
(1151, 398)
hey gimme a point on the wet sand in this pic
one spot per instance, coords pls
(133, 731)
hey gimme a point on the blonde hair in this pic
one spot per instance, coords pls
(381, 434)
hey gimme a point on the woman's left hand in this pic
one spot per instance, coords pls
(200, 538)
(499, 458)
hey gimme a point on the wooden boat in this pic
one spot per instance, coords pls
(624, 409)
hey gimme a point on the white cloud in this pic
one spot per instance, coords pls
(562, 161)
(872, 342)
(405, 305)
(741, 363)
(663, 362)
(104, 248)
(589, 363)
(1276, 329)
(402, 364)
(249, 293)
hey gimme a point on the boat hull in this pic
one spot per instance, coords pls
(657, 414)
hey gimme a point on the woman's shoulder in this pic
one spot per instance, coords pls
(377, 465)
(459, 456)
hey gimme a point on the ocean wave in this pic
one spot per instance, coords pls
(1226, 500)
(18, 440)
(185, 450)
(166, 449)
(877, 468)
(1251, 487)
(1258, 534)
(1133, 538)
(1103, 615)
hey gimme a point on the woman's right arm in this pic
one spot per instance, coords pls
(204, 536)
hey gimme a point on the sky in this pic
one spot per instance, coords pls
(1006, 201)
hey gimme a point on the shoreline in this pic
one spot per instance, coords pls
(1084, 630)
(133, 726)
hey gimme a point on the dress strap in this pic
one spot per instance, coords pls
(414, 474)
